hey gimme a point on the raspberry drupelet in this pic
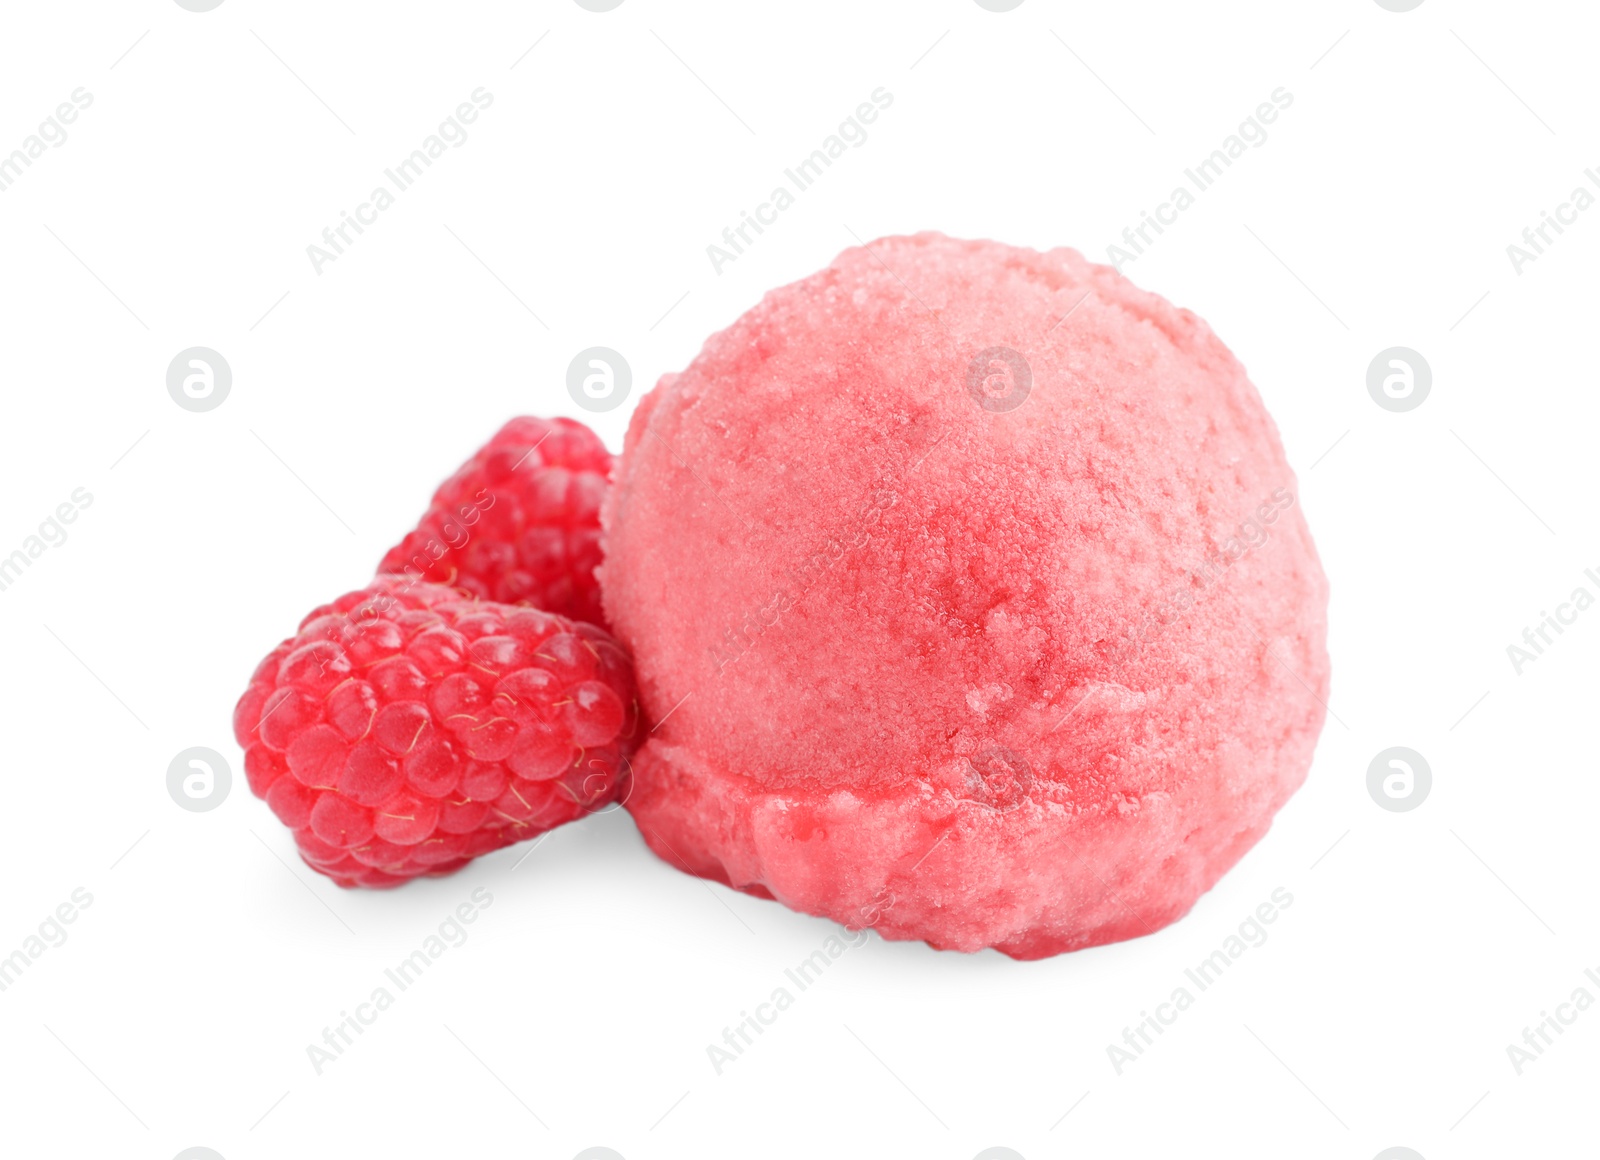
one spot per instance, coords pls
(519, 522)
(408, 728)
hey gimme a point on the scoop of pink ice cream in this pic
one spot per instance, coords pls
(970, 599)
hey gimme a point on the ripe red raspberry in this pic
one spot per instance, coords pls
(519, 522)
(408, 728)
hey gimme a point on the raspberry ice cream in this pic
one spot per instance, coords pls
(970, 599)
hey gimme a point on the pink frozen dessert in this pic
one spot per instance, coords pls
(970, 599)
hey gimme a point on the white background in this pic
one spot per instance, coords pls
(1419, 945)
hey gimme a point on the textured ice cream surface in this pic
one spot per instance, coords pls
(970, 599)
